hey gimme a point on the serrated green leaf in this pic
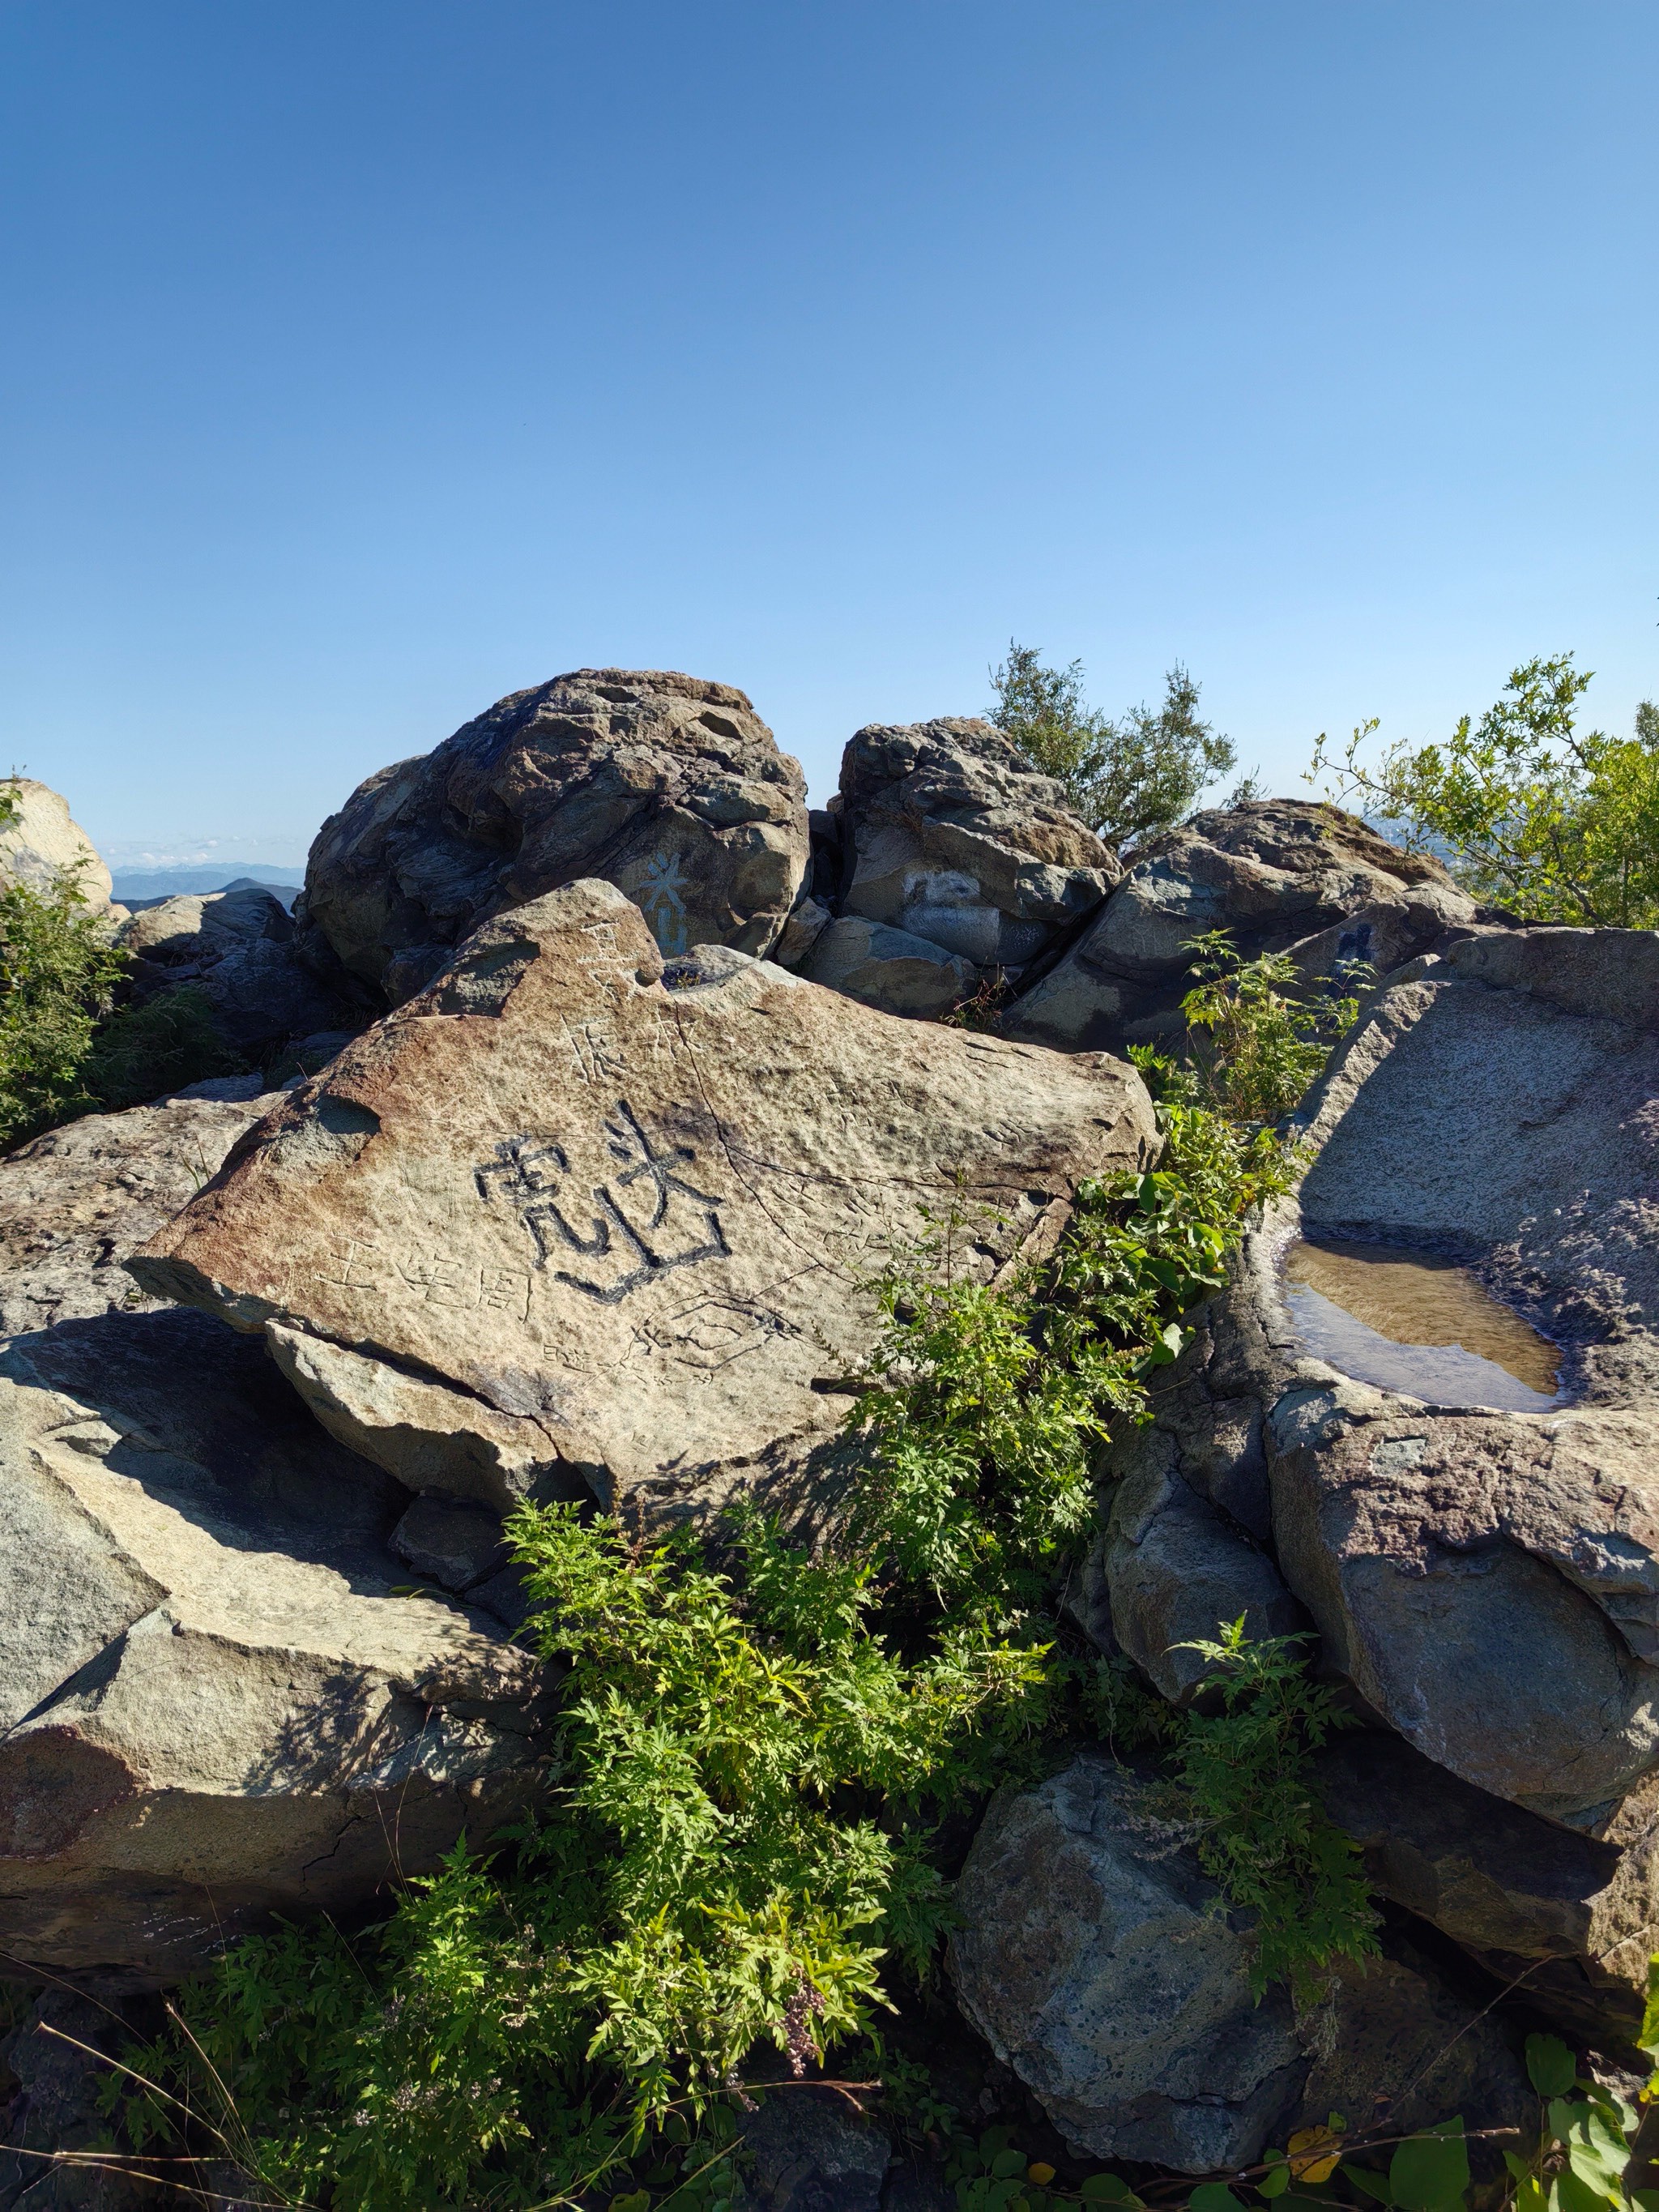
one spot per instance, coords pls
(1551, 2066)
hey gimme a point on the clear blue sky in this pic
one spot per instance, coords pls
(365, 360)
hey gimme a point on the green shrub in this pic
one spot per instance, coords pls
(1558, 824)
(58, 973)
(1244, 1780)
(1257, 1037)
(1126, 779)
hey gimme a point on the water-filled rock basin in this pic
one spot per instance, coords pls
(1410, 1321)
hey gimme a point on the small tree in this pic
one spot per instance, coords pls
(1558, 824)
(1125, 778)
(59, 971)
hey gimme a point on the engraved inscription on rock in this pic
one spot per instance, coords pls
(633, 1212)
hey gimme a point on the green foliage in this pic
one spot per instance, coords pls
(753, 1747)
(1558, 824)
(1256, 1037)
(1245, 1782)
(1127, 778)
(143, 1051)
(1578, 2159)
(57, 972)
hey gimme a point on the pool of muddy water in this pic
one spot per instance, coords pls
(1406, 1320)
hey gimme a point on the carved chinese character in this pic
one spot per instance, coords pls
(351, 1265)
(440, 1278)
(650, 1219)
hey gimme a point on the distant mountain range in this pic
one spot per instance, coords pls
(132, 883)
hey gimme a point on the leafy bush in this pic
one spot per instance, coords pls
(1256, 1037)
(1559, 824)
(1245, 1781)
(57, 972)
(1127, 778)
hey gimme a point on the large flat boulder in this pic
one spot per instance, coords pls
(669, 786)
(1274, 874)
(42, 840)
(950, 833)
(570, 1217)
(1481, 1562)
(214, 1705)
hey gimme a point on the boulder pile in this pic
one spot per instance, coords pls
(622, 1090)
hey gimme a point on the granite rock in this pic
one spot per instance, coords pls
(1275, 873)
(952, 836)
(668, 786)
(623, 1216)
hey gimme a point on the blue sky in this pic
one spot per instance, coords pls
(362, 362)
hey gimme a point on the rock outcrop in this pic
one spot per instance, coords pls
(214, 1705)
(1090, 1956)
(951, 835)
(1567, 1918)
(41, 841)
(237, 948)
(1486, 1580)
(570, 1217)
(1279, 875)
(672, 788)
(1094, 1956)
(76, 1202)
(55, 2153)
(888, 967)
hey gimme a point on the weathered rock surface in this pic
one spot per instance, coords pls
(57, 2154)
(41, 840)
(1568, 1917)
(669, 787)
(1092, 1958)
(1274, 874)
(76, 1202)
(888, 967)
(1399, 2045)
(815, 2152)
(617, 1220)
(1176, 1569)
(212, 1707)
(1487, 1581)
(238, 948)
(952, 836)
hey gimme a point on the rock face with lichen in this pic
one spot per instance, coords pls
(570, 1217)
(669, 786)
(1098, 1961)
(1279, 875)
